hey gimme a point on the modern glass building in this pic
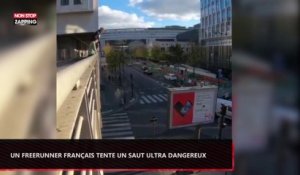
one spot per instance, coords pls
(215, 33)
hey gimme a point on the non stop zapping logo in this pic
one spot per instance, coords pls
(25, 19)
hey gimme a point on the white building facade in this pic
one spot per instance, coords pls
(148, 36)
(77, 22)
(76, 16)
(165, 45)
(215, 34)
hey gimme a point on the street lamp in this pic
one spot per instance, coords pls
(123, 55)
(154, 123)
(131, 84)
(121, 62)
(221, 123)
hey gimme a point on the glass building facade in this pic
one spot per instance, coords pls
(215, 33)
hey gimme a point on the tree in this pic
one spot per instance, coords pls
(113, 59)
(156, 53)
(107, 49)
(165, 56)
(194, 57)
(176, 54)
(140, 52)
(116, 60)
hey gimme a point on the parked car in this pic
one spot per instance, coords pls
(170, 76)
(148, 72)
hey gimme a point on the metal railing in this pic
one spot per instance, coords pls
(64, 54)
(78, 103)
(78, 100)
(27, 96)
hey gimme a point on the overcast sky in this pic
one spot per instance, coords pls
(148, 13)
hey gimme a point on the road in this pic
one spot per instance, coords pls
(152, 102)
(134, 122)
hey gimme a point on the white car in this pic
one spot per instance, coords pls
(170, 77)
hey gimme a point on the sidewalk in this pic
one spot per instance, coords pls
(113, 96)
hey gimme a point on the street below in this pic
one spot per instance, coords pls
(145, 115)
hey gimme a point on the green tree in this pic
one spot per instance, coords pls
(140, 52)
(165, 56)
(176, 54)
(194, 57)
(116, 60)
(107, 49)
(156, 53)
(113, 59)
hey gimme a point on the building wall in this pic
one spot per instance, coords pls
(150, 35)
(186, 46)
(215, 33)
(76, 26)
(77, 18)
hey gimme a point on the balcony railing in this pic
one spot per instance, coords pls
(78, 103)
(78, 100)
(27, 96)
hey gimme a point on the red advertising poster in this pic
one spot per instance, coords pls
(183, 104)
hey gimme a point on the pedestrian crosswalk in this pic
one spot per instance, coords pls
(150, 99)
(116, 126)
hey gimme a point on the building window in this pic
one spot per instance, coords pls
(218, 29)
(229, 13)
(228, 26)
(223, 15)
(227, 3)
(64, 2)
(217, 4)
(222, 27)
(77, 2)
(216, 18)
(222, 4)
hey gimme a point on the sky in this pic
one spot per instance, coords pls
(114, 14)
